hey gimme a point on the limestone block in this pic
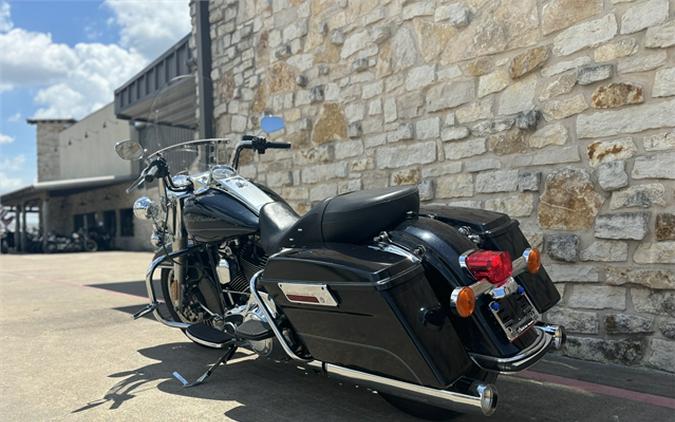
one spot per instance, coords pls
(660, 166)
(586, 34)
(652, 279)
(626, 225)
(665, 226)
(643, 15)
(569, 200)
(606, 251)
(612, 175)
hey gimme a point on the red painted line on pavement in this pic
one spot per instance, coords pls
(590, 387)
(600, 389)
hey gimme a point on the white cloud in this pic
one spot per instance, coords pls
(90, 84)
(5, 18)
(6, 139)
(14, 118)
(150, 27)
(77, 80)
(8, 183)
(13, 164)
(32, 58)
(9, 165)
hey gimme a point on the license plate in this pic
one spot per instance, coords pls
(515, 314)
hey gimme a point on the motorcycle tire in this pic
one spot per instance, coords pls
(420, 410)
(166, 295)
(90, 245)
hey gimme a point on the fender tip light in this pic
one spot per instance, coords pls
(463, 301)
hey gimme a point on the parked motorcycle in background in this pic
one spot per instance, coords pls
(425, 305)
(76, 242)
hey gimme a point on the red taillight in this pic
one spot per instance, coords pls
(495, 266)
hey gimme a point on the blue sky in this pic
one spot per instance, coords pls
(65, 58)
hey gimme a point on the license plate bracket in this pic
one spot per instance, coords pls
(515, 314)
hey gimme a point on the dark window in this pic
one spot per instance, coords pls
(110, 222)
(90, 220)
(127, 222)
(78, 222)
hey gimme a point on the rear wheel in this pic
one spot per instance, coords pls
(90, 245)
(434, 413)
(419, 409)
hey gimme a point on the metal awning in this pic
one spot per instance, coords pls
(164, 92)
(60, 188)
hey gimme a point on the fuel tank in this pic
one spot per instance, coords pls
(215, 215)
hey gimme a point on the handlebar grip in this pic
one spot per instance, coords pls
(153, 171)
(278, 145)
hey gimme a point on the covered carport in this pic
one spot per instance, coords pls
(37, 198)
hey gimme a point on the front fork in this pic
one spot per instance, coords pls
(179, 243)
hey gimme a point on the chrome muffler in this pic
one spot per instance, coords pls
(482, 400)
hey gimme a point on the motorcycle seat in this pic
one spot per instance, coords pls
(353, 217)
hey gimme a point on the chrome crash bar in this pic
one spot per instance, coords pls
(547, 336)
(481, 399)
(154, 304)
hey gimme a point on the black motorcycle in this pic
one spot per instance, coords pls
(425, 305)
(77, 242)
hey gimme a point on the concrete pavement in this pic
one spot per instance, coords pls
(70, 351)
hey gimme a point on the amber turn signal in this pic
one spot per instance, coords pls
(533, 260)
(463, 301)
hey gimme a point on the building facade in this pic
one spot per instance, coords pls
(81, 182)
(559, 113)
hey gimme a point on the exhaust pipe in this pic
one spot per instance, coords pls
(482, 400)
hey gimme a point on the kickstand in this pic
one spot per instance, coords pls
(229, 352)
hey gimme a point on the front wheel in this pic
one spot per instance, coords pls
(169, 293)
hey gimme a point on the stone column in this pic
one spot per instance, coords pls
(23, 227)
(44, 220)
(17, 228)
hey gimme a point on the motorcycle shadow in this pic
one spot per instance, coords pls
(262, 389)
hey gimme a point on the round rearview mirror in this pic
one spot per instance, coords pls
(129, 150)
(271, 124)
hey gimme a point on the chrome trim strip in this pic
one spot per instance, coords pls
(268, 315)
(485, 400)
(294, 291)
(520, 361)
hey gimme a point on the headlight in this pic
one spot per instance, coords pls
(145, 208)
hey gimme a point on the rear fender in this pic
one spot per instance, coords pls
(441, 246)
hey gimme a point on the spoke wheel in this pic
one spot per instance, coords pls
(170, 291)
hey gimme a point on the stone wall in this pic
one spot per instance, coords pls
(560, 113)
(62, 210)
(48, 152)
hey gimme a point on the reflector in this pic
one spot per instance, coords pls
(494, 266)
